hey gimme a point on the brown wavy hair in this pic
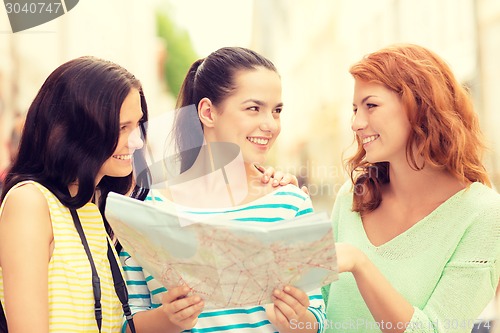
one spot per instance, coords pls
(444, 126)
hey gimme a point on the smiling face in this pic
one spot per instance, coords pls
(249, 116)
(380, 122)
(120, 163)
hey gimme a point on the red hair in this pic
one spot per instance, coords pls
(444, 126)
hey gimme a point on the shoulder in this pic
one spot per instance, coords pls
(25, 215)
(24, 205)
(489, 195)
(295, 198)
(291, 190)
(344, 192)
(345, 188)
(28, 194)
(477, 209)
(158, 195)
(291, 194)
(479, 200)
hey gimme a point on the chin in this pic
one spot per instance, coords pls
(259, 161)
(371, 160)
(121, 174)
(253, 158)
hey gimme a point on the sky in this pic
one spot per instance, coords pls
(215, 23)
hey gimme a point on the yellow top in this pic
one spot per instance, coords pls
(71, 299)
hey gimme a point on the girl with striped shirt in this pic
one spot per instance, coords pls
(232, 96)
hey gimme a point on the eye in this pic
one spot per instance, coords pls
(278, 110)
(123, 127)
(371, 105)
(355, 110)
(253, 108)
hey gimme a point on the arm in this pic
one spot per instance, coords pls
(318, 308)
(139, 293)
(385, 303)
(467, 283)
(325, 290)
(25, 250)
(177, 312)
(291, 312)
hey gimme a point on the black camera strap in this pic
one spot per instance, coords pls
(3, 320)
(120, 286)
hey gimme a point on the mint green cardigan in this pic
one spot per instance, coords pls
(447, 265)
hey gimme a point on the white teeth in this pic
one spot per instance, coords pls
(370, 139)
(259, 141)
(123, 157)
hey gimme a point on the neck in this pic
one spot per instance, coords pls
(415, 185)
(218, 178)
(73, 190)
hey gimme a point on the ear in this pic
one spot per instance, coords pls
(206, 112)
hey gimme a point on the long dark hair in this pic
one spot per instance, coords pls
(211, 77)
(72, 128)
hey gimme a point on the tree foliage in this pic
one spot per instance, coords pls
(180, 52)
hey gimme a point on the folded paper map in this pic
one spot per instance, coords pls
(229, 264)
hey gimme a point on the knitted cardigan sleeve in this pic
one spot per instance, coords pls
(468, 281)
(325, 291)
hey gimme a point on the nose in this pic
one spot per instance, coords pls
(268, 123)
(135, 140)
(359, 121)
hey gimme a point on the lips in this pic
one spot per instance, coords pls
(258, 140)
(370, 138)
(125, 157)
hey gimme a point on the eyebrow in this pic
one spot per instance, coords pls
(260, 103)
(128, 122)
(364, 99)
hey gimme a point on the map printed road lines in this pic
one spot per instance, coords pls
(229, 264)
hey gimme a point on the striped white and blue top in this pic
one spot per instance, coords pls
(284, 203)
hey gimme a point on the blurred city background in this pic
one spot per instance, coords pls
(312, 42)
